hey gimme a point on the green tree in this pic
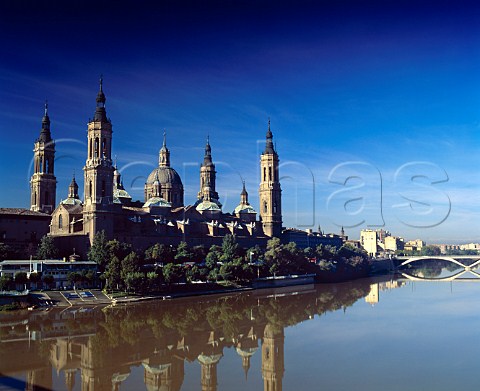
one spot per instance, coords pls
(430, 250)
(21, 278)
(113, 273)
(135, 281)
(6, 283)
(229, 248)
(183, 253)
(48, 280)
(47, 249)
(74, 278)
(159, 253)
(99, 252)
(173, 273)
(130, 264)
(153, 281)
(213, 257)
(34, 278)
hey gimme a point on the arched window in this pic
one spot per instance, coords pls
(47, 166)
(90, 189)
(269, 173)
(96, 147)
(91, 148)
(41, 164)
(104, 147)
(60, 222)
(265, 209)
(35, 198)
(264, 174)
(275, 208)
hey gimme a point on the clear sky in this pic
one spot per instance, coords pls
(374, 106)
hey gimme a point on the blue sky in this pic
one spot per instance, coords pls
(362, 97)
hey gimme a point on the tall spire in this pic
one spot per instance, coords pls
(100, 113)
(164, 154)
(244, 195)
(45, 135)
(269, 143)
(207, 159)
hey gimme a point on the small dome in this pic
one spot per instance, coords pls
(71, 201)
(209, 359)
(119, 195)
(157, 201)
(208, 205)
(246, 352)
(166, 175)
(244, 208)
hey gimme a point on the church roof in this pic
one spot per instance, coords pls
(21, 211)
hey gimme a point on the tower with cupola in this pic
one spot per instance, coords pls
(270, 192)
(43, 184)
(208, 178)
(98, 172)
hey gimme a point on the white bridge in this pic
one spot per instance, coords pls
(456, 259)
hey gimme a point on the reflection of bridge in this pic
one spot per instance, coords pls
(449, 258)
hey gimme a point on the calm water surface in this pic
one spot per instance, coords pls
(364, 335)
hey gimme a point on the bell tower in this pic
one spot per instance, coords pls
(270, 193)
(207, 178)
(43, 184)
(98, 172)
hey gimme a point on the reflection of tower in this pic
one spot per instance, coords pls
(272, 358)
(43, 184)
(39, 379)
(373, 296)
(209, 360)
(70, 378)
(163, 372)
(270, 193)
(246, 348)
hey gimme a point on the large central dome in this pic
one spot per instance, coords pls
(166, 175)
(164, 182)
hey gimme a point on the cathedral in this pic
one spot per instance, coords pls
(162, 217)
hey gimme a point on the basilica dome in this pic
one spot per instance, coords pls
(166, 175)
(164, 182)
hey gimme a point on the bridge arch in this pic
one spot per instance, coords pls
(433, 258)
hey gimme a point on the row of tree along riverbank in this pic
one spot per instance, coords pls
(166, 269)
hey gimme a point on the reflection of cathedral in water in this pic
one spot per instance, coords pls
(92, 349)
(163, 368)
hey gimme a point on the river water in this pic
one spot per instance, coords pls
(373, 334)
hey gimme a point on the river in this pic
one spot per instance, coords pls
(371, 334)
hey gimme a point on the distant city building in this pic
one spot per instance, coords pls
(369, 241)
(414, 245)
(393, 243)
